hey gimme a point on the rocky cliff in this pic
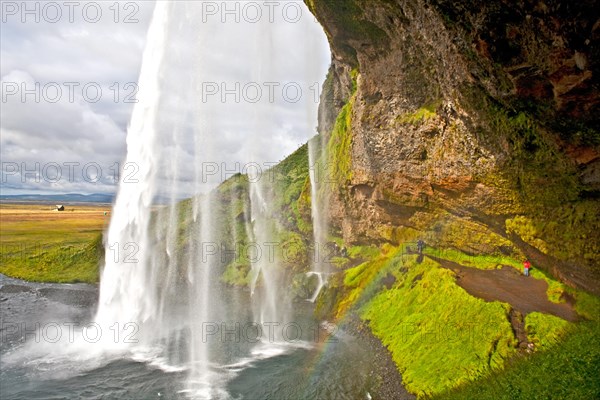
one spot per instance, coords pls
(473, 125)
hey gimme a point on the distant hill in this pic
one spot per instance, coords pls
(61, 198)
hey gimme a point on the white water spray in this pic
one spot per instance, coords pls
(317, 156)
(162, 290)
(164, 286)
(268, 294)
(126, 289)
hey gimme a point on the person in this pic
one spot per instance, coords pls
(420, 246)
(526, 266)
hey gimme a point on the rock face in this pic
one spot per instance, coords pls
(471, 124)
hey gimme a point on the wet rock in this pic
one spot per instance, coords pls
(439, 84)
(387, 380)
(79, 298)
(12, 288)
(388, 281)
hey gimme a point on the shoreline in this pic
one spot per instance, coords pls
(388, 380)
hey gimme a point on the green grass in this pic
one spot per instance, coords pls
(287, 190)
(439, 336)
(544, 330)
(44, 246)
(56, 263)
(362, 280)
(569, 370)
(586, 305)
(356, 280)
(67, 263)
(474, 261)
(363, 252)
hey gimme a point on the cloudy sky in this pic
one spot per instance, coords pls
(238, 85)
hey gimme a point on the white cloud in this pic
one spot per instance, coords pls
(199, 52)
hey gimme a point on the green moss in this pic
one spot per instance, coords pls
(473, 261)
(568, 371)
(237, 274)
(567, 232)
(354, 77)
(353, 255)
(352, 276)
(363, 252)
(545, 330)
(339, 147)
(420, 115)
(555, 288)
(439, 336)
(526, 229)
(444, 230)
(540, 186)
(536, 180)
(352, 25)
(302, 209)
(294, 251)
(586, 305)
(356, 280)
(287, 189)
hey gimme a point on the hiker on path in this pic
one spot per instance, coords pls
(526, 266)
(420, 246)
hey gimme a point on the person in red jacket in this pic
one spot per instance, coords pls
(526, 266)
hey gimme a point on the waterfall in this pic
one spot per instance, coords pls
(268, 297)
(320, 283)
(266, 272)
(162, 275)
(317, 156)
(149, 285)
(319, 190)
(125, 290)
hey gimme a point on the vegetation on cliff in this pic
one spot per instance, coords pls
(566, 371)
(440, 336)
(287, 190)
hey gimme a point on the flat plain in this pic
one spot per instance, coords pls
(40, 243)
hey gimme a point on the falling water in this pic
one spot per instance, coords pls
(317, 154)
(163, 288)
(320, 283)
(145, 289)
(265, 273)
(266, 285)
(126, 295)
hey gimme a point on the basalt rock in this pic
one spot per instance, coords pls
(474, 123)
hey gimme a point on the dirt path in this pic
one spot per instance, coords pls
(524, 294)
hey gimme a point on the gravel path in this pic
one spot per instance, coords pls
(524, 294)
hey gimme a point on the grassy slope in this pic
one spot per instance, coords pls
(567, 367)
(442, 338)
(288, 190)
(42, 245)
(438, 334)
(566, 371)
